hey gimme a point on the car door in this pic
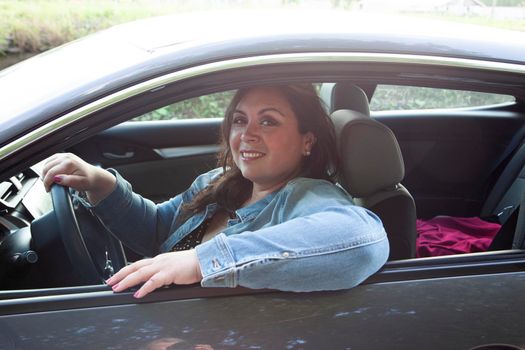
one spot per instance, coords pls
(402, 307)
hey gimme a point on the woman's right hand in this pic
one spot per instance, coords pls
(69, 170)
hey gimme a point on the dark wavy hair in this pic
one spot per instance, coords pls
(231, 190)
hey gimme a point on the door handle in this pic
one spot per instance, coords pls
(126, 155)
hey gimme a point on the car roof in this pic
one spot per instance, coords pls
(66, 77)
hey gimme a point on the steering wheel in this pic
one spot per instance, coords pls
(91, 248)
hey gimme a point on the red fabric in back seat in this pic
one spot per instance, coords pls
(445, 235)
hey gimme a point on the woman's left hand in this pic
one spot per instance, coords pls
(169, 268)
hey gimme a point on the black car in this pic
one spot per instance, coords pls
(147, 99)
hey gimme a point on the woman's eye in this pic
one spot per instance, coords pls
(268, 122)
(238, 120)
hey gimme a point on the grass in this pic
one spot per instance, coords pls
(37, 25)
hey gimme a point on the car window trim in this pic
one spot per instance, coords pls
(401, 271)
(447, 266)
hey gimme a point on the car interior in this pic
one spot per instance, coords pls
(500, 206)
(459, 163)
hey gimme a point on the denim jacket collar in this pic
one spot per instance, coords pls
(251, 211)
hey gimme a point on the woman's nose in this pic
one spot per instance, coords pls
(250, 133)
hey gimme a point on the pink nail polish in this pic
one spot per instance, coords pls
(136, 295)
(115, 287)
(58, 178)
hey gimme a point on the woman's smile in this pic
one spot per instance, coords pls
(251, 155)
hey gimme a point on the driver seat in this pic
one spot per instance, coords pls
(372, 169)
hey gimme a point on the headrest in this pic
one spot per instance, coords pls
(349, 96)
(370, 155)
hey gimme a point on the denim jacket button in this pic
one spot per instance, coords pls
(216, 264)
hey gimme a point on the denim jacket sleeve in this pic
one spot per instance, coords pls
(138, 222)
(323, 242)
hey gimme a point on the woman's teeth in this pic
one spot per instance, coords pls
(251, 154)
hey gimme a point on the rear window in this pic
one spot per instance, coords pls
(398, 97)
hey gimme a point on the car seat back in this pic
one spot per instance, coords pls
(372, 169)
(344, 95)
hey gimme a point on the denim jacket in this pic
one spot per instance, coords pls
(306, 236)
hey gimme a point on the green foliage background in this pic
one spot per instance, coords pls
(38, 25)
(208, 106)
(388, 97)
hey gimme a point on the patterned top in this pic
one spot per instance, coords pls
(194, 238)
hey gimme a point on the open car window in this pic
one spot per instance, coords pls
(166, 139)
(162, 161)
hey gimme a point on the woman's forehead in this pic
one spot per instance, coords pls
(264, 97)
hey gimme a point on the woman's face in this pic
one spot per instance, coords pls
(265, 140)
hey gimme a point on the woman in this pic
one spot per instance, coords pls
(269, 217)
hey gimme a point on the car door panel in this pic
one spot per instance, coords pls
(397, 315)
(163, 179)
(161, 158)
(453, 159)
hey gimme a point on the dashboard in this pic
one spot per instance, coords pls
(23, 200)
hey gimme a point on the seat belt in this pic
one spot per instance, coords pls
(506, 179)
(519, 234)
(505, 236)
(512, 148)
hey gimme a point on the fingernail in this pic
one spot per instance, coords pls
(109, 280)
(58, 178)
(115, 287)
(136, 295)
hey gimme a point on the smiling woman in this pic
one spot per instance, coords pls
(254, 222)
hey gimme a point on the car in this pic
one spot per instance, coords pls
(146, 98)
